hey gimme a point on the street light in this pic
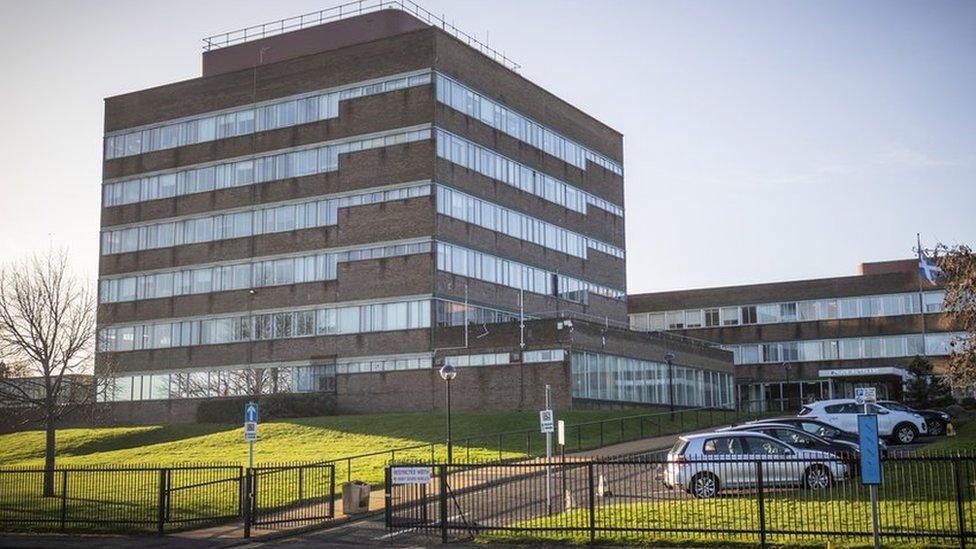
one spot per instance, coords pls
(448, 373)
(669, 358)
(786, 368)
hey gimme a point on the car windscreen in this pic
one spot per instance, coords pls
(679, 447)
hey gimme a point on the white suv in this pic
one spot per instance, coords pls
(704, 464)
(903, 427)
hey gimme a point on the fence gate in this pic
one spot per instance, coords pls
(462, 500)
(289, 494)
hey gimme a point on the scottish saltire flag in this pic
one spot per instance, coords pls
(928, 269)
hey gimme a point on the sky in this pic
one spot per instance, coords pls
(763, 140)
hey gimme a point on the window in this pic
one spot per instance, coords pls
(765, 446)
(723, 446)
(749, 315)
(729, 316)
(712, 317)
(787, 312)
(693, 318)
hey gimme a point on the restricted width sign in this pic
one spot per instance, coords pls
(410, 475)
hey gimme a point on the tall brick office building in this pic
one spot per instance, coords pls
(812, 339)
(344, 207)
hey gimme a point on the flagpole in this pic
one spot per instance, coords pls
(921, 300)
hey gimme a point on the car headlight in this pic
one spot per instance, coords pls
(945, 416)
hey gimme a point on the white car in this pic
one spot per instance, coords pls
(903, 427)
(704, 464)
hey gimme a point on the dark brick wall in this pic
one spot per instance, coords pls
(260, 352)
(400, 219)
(356, 280)
(845, 286)
(402, 53)
(508, 388)
(404, 163)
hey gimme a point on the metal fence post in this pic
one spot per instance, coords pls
(332, 490)
(301, 482)
(247, 503)
(591, 501)
(960, 516)
(442, 497)
(762, 508)
(64, 499)
(161, 503)
(388, 497)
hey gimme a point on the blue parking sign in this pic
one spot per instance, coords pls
(867, 429)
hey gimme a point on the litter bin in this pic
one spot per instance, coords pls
(355, 497)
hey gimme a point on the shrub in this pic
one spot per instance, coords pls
(276, 406)
(968, 403)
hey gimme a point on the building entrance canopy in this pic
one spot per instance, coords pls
(876, 371)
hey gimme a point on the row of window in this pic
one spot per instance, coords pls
(229, 381)
(453, 313)
(248, 274)
(464, 262)
(272, 219)
(790, 311)
(475, 105)
(485, 214)
(250, 380)
(331, 320)
(242, 121)
(851, 348)
(248, 171)
(495, 359)
(622, 379)
(491, 164)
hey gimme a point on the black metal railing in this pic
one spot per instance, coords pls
(346, 10)
(753, 500)
(165, 499)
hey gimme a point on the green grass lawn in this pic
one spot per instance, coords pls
(133, 495)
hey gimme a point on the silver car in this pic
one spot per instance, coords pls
(705, 464)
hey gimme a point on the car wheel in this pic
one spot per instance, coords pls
(905, 433)
(937, 428)
(704, 485)
(817, 477)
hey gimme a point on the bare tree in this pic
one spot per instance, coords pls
(958, 264)
(47, 337)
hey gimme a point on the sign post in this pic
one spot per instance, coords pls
(250, 430)
(547, 426)
(867, 429)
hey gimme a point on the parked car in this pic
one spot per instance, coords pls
(903, 427)
(937, 421)
(819, 428)
(705, 464)
(799, 438)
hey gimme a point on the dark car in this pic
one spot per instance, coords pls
(796, 437)
(936, 421)
(816, 427)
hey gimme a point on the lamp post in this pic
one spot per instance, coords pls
(669, 358)
(786, 368)
(448, 373)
